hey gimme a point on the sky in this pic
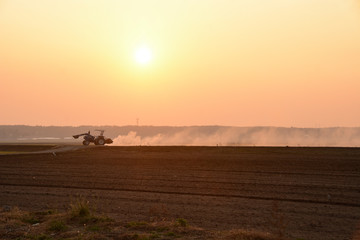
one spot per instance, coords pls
(181, 62)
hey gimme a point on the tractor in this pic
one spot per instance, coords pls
(97, 140)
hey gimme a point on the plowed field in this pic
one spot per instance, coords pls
(309, 193)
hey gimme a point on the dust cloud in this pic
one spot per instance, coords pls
(247, 136)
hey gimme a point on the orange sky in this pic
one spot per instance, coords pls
(242, 63)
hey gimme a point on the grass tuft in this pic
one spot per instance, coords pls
(182, 222)
(80, 209)
(41, 237)
(28, 218)
(57, 225)
(136, 224)
(248, 235)
(45, 213)
(154, 235)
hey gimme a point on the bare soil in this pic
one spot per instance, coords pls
(26, 147)
(304, 193)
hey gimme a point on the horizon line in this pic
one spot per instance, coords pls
(175, 126)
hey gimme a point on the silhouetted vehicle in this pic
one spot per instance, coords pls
(97, 140)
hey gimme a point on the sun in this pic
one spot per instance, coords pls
(143, 55)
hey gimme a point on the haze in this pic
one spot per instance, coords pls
(239, 63)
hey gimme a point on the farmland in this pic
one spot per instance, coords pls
(306, 193)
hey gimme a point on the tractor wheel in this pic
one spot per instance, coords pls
(100, 141)
(85, 142)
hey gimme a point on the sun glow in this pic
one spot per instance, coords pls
(143, 55)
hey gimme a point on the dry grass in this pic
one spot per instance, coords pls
(82, 222)
(246, 235)
(80, 209)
